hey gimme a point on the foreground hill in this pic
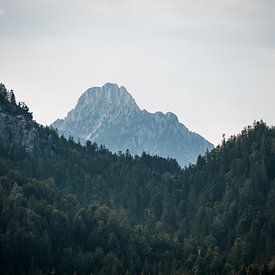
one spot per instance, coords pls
(67, 207)
(109, 115)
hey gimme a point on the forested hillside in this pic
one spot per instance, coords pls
(67, 207)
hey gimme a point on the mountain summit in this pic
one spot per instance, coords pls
(109, 115)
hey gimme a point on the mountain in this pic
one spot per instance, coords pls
(67, 208)
(56, 212)
(109, 115)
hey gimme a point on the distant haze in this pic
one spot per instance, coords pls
(211, 62)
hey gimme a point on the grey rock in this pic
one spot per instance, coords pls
(18, 130)
(109, 115)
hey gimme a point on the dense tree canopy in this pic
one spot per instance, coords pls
(67, 207)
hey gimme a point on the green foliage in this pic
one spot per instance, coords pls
(9, 105)
(69, 208)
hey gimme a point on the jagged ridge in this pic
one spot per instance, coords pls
(109, 115)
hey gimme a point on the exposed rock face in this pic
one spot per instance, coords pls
(109, 115)
(18, 129)
(16, 125)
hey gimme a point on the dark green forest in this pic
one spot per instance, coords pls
(73, 209)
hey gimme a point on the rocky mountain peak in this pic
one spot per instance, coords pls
(172, 117)
(108, 96)
(109, 115)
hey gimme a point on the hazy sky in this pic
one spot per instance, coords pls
(212, 62)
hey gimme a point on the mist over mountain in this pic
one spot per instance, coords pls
(109, 115)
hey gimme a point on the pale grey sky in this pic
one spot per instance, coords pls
(211, 62)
